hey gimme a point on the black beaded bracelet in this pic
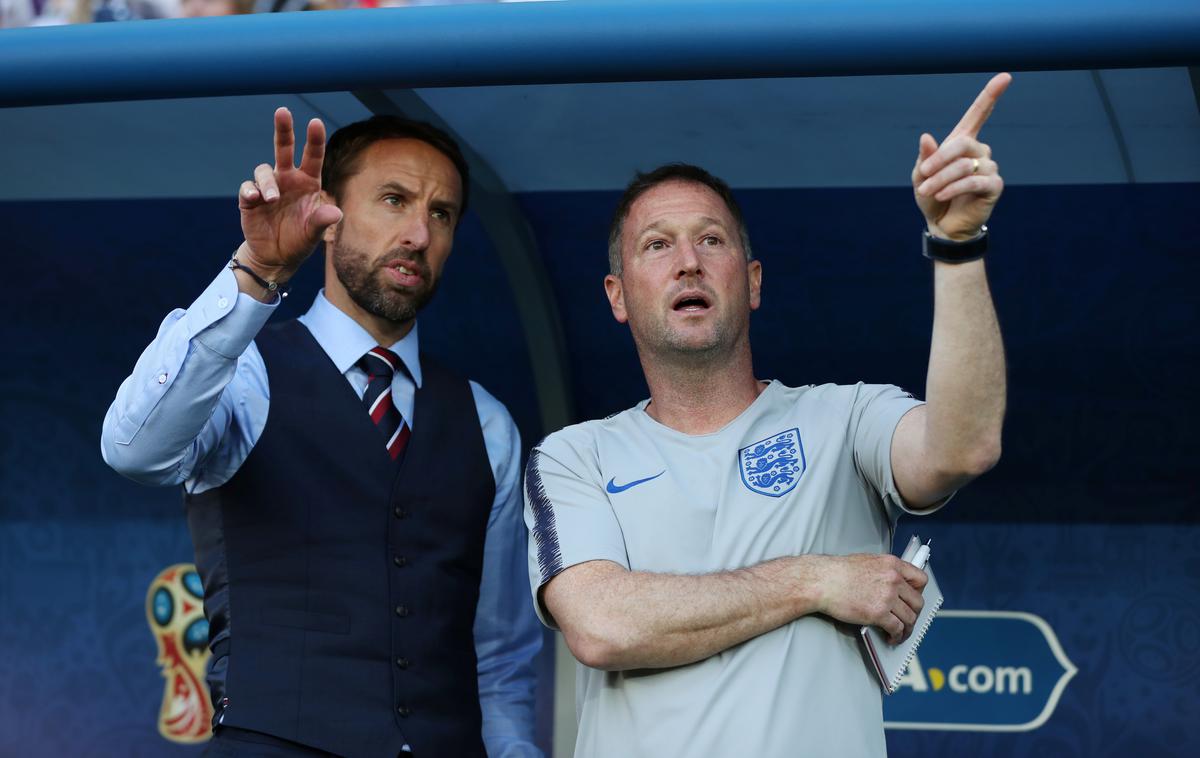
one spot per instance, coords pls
(236, 265)
(949, 251)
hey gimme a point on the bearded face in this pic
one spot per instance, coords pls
(400, 208)
(372, 283)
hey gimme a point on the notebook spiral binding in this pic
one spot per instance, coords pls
(915, 642)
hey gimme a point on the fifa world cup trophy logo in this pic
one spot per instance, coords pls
(175, 612)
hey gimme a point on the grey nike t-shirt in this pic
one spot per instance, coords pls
(802, 470)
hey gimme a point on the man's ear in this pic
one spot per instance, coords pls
(330, 232)
(616, 297)
(754, 269)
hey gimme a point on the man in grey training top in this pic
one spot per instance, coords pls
(710, 553)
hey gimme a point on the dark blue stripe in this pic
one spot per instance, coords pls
(545, 533)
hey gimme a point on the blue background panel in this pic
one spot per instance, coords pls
(1122, 600)
(1090, 520)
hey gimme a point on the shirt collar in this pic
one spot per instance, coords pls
(345, 341)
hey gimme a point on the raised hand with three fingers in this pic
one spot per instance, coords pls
(957, 183)
(283, 210)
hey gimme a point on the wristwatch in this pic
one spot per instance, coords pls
(949, 251)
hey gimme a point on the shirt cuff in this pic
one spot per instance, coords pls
(225, 319)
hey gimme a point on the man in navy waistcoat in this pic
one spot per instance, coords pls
(364, 588)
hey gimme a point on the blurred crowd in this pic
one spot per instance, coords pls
(52, 12)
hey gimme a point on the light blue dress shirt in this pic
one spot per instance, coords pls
(197, 403)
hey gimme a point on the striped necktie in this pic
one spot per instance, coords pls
(380, 364)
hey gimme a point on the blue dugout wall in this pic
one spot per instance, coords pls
(1090, 521)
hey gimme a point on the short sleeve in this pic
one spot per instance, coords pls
(874, 414)
(569, 517)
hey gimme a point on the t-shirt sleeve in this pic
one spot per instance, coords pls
(568, 515)
(875, 411)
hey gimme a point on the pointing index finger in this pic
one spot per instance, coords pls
(285, 140)
(977, 115)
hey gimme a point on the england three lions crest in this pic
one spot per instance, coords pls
(774, 465)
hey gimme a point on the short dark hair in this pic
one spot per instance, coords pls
(671, 172)
(348, 143)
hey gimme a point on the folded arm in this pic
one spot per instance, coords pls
(616, 619)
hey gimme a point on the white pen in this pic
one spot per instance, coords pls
(922, 557)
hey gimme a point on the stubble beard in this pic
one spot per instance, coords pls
(367, 289)
(674, 346)
(669, 343)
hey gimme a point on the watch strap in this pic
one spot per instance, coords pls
(949, 251)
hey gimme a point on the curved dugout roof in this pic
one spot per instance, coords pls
(617, 40)
(587, 92)
(1061, 127)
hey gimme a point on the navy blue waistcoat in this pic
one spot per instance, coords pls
(341, 587)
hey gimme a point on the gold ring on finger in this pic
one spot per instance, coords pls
(974, 165)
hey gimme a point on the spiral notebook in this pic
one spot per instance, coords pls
(891, 661)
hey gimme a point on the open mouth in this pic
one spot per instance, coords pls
(691, 302)
(405, 273)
